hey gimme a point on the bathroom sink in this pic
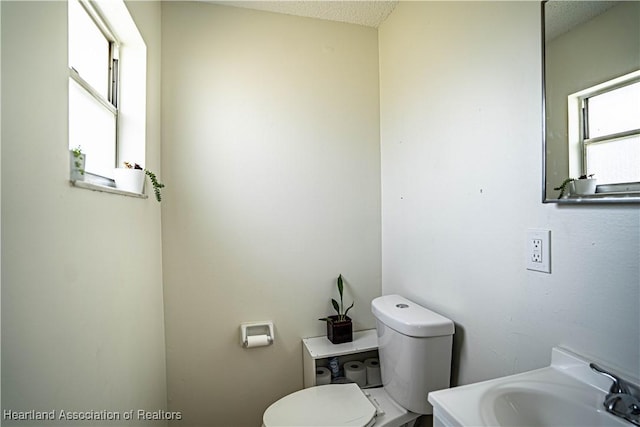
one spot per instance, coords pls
(544, 404)
(567, 393)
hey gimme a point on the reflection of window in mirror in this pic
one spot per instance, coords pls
(604, 132)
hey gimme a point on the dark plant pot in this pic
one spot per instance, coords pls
(339, 331)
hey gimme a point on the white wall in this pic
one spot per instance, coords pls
(82, 313)
(461, 171)
(271, 146)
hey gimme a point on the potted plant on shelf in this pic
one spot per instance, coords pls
(77, 161)
(339, 327)
(585, 184)
(131, 178)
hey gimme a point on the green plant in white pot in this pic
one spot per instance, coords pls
(585, 184)
(77, 161)
(131, 178)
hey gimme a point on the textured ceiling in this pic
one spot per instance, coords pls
(368, 13)
(562, 16)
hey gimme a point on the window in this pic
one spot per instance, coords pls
(605, 124)
(611, 134)
(93, 88)
(107, 87)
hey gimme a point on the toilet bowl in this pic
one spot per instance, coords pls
(414, 347)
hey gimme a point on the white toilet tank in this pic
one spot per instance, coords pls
(414, 345)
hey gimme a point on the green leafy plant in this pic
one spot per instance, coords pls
(157, 185)
(339, 307)
(77, 162)
(563, 187)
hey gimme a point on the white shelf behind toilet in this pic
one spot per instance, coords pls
(316, 349)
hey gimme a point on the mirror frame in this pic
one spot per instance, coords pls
(601, 198)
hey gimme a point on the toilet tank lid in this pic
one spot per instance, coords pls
(409, 318)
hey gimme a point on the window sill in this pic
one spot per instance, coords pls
(105, 189)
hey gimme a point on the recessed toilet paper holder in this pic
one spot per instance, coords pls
(261, 333)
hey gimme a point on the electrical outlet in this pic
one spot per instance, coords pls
(536, 250)
(539, 250)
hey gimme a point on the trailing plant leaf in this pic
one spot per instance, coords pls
(563, 186)
(157, 185)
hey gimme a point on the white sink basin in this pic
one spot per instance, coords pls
(544, 404)
(567, 393)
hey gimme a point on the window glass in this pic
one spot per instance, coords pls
(614, 111)
(92, 127)
(88, 49)
(615, 161)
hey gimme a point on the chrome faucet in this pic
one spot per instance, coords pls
(623, 399)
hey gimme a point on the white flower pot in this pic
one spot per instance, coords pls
(131, 180)
(585, 186)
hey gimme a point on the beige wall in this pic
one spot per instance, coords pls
(461, 177)
(82, 314)
(270, 143)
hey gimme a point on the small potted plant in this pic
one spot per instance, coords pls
(131, 178)
(339, 326)
(583, 185)
(77, 161)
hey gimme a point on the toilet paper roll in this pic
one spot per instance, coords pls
(356, 372)
(257, 341)
(323, 376)
(373, 371)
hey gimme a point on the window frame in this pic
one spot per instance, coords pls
(131, 95)
(585, 139)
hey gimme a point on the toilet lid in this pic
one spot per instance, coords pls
(335, 405)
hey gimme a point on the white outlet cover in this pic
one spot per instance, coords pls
(538, 257)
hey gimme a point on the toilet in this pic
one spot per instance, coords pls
(414, 348)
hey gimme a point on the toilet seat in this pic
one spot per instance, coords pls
(335, 405)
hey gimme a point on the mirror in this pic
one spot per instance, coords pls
(587, 46)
